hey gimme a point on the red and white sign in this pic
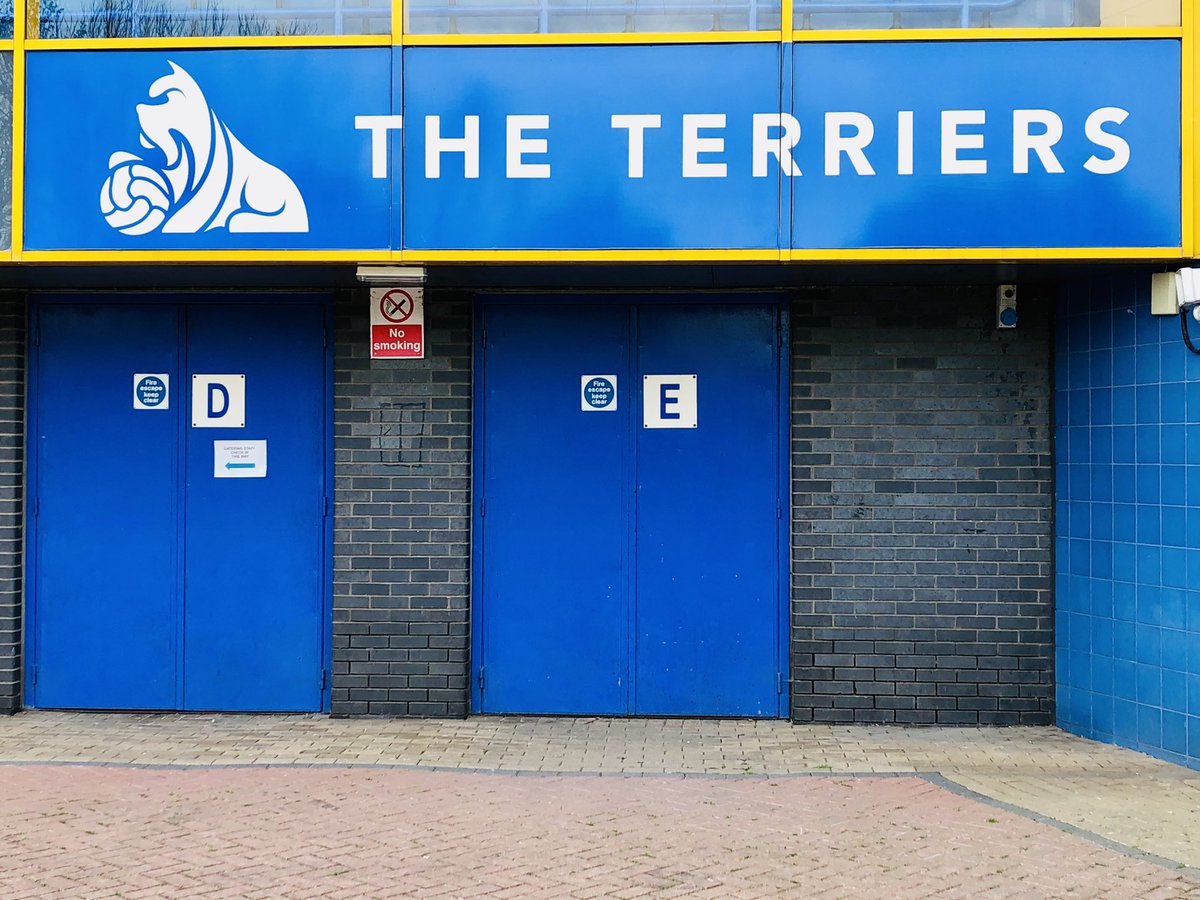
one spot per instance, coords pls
(398, 323)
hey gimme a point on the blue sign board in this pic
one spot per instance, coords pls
(987, 144)
(812, 146)
(205, 149)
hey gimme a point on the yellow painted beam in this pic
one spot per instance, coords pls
(871, 255)
(788, 33)
(526, 40)
(17, 157)
(1189, 133)
(209, 43)
(218, 257)
(988, 34)
(986, 254)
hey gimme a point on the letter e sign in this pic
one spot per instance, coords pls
(669, 401)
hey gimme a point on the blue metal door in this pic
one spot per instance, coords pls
(553, 506)
(159, 583)
(707, 528)
(104, 509)
(624, 567)
(253, 597)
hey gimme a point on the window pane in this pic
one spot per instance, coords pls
(886, 14)
(210, 18)
(5, 150)
(589, 16)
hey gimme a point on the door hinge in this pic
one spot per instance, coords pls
(780, 682)
(779, 335)
(37, 335)
(325, 336)
(778, 508)
(482, 507)
(324, 678)
(325, 507)
(482, 678)
(37, 506)
(33, 675)
(483, 338)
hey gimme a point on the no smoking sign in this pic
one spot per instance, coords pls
(397, 323)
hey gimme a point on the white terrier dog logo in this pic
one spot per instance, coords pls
(207, 179)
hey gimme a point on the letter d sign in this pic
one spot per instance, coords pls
(218, 401)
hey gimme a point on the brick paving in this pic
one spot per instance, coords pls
(306, 806)
(72, 831)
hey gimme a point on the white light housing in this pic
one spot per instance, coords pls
(393, 275)
(1187, 288)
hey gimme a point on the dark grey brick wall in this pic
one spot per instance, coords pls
(922, 501)
(401, 583)
(12, 442)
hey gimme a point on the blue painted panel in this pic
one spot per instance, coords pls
(589, 200)
(254, 595)
(105, 530)
(555, 530)
(268, 143)
(707, 593)
(1137, 206)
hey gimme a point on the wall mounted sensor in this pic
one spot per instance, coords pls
(1006, 306)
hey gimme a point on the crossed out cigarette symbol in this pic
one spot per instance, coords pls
(396, 305)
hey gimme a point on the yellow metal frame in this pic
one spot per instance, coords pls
(1187, 32)
(1189, 133)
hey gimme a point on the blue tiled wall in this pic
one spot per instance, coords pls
(1127, 435)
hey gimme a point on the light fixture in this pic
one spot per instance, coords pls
(394, 275)
(1187, 288)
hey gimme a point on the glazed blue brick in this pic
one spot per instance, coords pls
(1124, 443)
(1149, 521)
(1101, 674)
(1125, 721)
(1141, 613)
(1174, 567)
(1174, 405)
(1174, 526)
(1172, 366)
(1174, 690)
(1102, 714)
(1102, 636)
(1149, 726)
(1125, 640)
(1149, 645)
(1149, 446)
(1147, 368)
(1124, 365)
(1149, 565)
(1173, 481)
(1125, 679)
(1124, 602)
(1149, 685)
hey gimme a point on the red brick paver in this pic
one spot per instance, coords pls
(93, 832)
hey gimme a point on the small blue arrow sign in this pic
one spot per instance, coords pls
(232, 465)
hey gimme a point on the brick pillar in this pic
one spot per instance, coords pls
(401, 578)
(12, 493)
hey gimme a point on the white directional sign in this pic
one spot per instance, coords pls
(218, 401)
(239, 459)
